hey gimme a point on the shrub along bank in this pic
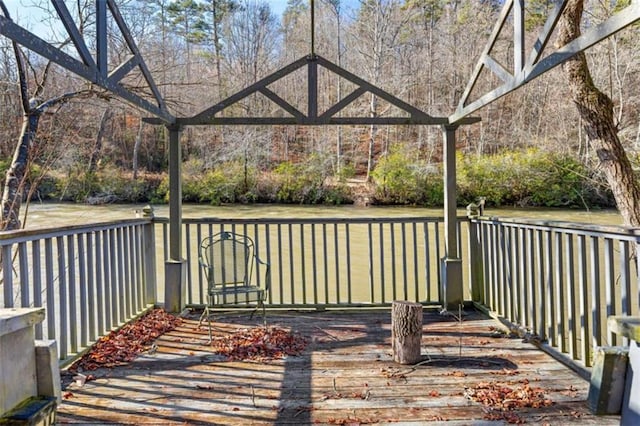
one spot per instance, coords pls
(524, 178)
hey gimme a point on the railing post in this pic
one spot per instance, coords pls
(476, 265)
(149, 278)
(451, 278)
(175, 266)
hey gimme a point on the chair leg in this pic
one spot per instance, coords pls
(207, 313)
(204, 313)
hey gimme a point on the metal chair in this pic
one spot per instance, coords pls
(228, 260)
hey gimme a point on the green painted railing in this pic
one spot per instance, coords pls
(330, 262)
(557, 281)
(91, 279)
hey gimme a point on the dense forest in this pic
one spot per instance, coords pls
(528, 150)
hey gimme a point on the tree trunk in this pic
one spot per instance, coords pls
(97, 147)
(373, 130)
(596, 111)
(16, 175)
(136, 150)
(406, 331)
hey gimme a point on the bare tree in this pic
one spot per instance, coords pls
(32, 109)
(597, 112)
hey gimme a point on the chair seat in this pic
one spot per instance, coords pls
(237, 294)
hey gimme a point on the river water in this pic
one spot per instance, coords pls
(45, 215)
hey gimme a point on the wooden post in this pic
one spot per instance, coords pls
(406, 331)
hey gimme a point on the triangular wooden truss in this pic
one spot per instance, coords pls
(527, 67)
(95, 69)
(310, 115)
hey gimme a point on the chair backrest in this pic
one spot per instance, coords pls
(227, 259)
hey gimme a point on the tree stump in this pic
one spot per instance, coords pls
(406, 331)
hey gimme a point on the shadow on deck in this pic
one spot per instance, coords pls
(345, 375)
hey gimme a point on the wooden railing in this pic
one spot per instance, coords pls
(558, 281)
(330, 262)
(91, 279)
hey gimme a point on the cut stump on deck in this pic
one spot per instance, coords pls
(406, 331)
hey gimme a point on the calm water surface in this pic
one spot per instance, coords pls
(58, 214)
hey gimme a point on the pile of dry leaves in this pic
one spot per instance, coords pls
(501, 399)
(122, 346)
(259, 344)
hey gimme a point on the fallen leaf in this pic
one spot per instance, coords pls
(124, 345)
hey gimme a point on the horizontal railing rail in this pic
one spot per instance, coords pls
(330, 262)
(91, 279)
(559, 281)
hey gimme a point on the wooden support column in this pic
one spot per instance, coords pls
(175, 266)
(406, 331)
(629, 327)
(451, 267)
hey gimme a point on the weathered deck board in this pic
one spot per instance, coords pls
(345, 376)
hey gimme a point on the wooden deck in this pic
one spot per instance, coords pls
(345, 375)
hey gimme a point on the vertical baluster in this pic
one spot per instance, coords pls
(165, 241)
(62, 299)
(303, 267)
(279, 257)
(314, 263)
(82, 285)
(514, 274)
(347, 234)
(91, 291)
(403, 261)
(559, 294)
(201, 287)
(426, 245)
(610, 286)
(325, 262)
(530, 300)
(129, 290)
(488, 279)
(116, 316)
(188, 254)
(132, 264)
(439, 246)
(569, 308)
(522, 283)
(583, 319)
(495, 267)
(23, 270)
(267, 236)
(416, 283)
(541, 294)
(106, 269)
(381, 261)
(73, 301)
(625, 283)
(7, 276)
(101, 287)
(50, 295)
(292, 272)
(370, 263)
(392, 241)
(625, 278)
(336, 261)
(123, 293)
(551, 314)
(37, 282)
(501, 268)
